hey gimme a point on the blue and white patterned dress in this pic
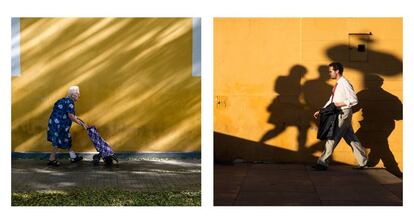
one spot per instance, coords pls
(58, 131)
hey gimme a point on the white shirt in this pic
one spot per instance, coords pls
(344, 92)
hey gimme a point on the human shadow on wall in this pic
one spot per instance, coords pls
(286, 109)
(316, 93)
(380, 109)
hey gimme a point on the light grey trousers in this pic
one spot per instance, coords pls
(345, 131)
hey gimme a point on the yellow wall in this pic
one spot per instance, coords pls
(251, 54)
(134, 76)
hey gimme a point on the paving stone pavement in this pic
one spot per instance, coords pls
(134, 175)
(299, 185)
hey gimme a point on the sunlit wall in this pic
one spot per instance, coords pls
(135, 79)
(271, 73)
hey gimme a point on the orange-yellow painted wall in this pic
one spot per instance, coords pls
(250, 54)
(134, 76)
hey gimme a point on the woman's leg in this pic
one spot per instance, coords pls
(72, 154)
(52, 156)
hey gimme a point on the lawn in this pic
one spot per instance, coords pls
(109, 197)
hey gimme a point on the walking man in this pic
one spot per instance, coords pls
(344, 97)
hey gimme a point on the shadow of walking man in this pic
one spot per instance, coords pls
(316, 92)
(286, 109)
(380, 109)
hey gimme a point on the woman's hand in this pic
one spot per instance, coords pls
(78, 121)
(83, 124)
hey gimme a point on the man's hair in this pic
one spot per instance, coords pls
(337, 67)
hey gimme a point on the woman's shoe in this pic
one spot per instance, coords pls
(76, 159)
(54, 163)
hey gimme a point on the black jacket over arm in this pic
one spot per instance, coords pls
(328, 121)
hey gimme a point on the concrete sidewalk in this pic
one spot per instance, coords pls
(134, 175)
(299, 185)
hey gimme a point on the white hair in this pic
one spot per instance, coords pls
(73, 90)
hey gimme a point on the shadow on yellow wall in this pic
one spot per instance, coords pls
(380, 109)
(134, 76)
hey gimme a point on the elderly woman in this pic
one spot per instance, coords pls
(60, 121)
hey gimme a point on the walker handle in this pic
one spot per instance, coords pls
(83, 123)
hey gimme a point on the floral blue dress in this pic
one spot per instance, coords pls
(58, 131)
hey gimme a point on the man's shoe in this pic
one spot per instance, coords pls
(319, 167)
(76, 159)
(359, 167)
